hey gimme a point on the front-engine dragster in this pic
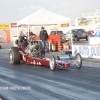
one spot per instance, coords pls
(34, 53)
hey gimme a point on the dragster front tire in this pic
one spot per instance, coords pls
(78, 59)
(14, 55)
(52, 63)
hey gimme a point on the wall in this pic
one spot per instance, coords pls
(86, 51)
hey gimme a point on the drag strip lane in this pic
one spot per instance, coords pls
(59, 85)
(69, 84)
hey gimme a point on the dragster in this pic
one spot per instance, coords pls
(34, 53)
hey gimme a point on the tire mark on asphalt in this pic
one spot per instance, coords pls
(55, 89)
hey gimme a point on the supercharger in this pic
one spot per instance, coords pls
(35, 49)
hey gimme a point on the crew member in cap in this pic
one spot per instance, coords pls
(44, 37)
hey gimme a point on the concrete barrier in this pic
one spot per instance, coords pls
(93, 40)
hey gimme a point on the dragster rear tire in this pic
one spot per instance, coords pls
(52, 63)
(78, 59)
(14, 55)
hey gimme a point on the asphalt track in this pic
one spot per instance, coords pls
(29, 82)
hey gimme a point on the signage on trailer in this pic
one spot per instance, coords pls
(87, 51)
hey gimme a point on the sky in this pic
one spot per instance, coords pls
(13, 10)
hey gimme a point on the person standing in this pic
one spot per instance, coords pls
(32, 38)
(21, 38)
(44, 37)
(27, 34)
(21, 34)
(30, 33)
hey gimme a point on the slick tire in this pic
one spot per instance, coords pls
(14, 55)
(52, 63)
(78, 60)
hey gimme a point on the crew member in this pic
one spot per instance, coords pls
(44, 37)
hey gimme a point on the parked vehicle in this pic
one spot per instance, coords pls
(95, 32)
(76, 35)
(56, 35)
(56, 32)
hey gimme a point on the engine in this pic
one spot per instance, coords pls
(35, 49)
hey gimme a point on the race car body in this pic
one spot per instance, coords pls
(34, 53)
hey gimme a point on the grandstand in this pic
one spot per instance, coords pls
(91, 16)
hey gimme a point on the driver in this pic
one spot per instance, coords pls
(23, 41)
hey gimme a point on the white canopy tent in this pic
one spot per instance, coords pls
(43, 17)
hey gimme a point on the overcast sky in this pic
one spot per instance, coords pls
(14, 10)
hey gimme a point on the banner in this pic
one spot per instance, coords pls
(65, 25)
(5, 32)
(4, 35)
(4, 26)
(87, 51)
